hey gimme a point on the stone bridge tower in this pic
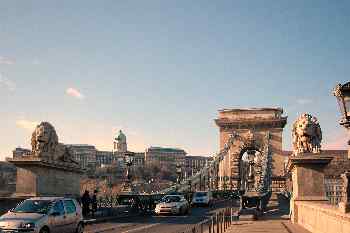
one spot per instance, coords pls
(243, 131)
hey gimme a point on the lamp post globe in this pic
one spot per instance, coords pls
(342, 93)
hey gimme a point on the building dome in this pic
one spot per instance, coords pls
(120, 137)
(120, 142)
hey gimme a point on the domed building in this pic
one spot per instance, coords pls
(120, 145)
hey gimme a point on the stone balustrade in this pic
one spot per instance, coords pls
(344, 205)
(321, 217)
(310, 208)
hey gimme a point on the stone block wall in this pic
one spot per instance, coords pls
(321, 218)
(339, 164)
(35, 180)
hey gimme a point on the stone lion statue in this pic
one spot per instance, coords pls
(307, 135)
(45, 144)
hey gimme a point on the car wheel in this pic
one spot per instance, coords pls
(80, 228)
(44, 230)
(180, 211)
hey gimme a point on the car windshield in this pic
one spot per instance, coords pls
(200, 194)
(33, 206)
(169, 199)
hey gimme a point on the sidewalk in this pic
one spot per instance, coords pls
(266, 226)
(272, 221)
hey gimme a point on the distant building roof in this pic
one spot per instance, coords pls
(198, 157)
(81, 145)
(250, 109)
(165, 149)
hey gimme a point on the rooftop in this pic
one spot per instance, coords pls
(81, 145)
(165, 149)
(250, 109)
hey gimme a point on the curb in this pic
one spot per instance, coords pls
(102, 230)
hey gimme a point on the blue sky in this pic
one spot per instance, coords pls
(160, 70)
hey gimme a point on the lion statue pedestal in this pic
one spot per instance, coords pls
(49, 170)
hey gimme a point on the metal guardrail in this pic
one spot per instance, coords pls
(107, 202)
(135, 201)
(218, 223)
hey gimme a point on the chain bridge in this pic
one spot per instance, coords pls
(250, 156)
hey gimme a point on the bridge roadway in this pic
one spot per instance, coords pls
(156, 224)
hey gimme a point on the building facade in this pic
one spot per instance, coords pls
(139, 159)
(194, 164)
(104, 158)
(165, 156)
(20, 152)
(84, 154)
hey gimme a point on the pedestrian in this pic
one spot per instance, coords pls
(85, 201)
(94, 203)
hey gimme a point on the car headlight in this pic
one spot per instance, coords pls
(28, 225)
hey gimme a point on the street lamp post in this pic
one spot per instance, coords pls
(342, 93)
(128, 163)
(150, 184)
(178, 172)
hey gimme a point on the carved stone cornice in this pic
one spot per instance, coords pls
(258, 123)
(43, 162)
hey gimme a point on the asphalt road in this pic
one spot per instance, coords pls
(156, 224)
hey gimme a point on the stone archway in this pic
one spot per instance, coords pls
(243, 130)
(247, 173)
(250, 169)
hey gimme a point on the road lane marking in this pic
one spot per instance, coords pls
(141, 228)
(107, 228)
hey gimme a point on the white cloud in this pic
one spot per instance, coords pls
(74, 93)
(26, 124)
(6, 83)
(304, 101)
(6, 61)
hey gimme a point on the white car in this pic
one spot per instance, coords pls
(173, 204)
(44, 215)
(202, 198)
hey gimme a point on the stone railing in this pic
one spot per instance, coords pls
(334, 189)
(278, 184)
(322, 218)
(313, 193)
(344, 205)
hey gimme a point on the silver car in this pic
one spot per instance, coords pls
(173, 204)
(202, 198)
(44, 215)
